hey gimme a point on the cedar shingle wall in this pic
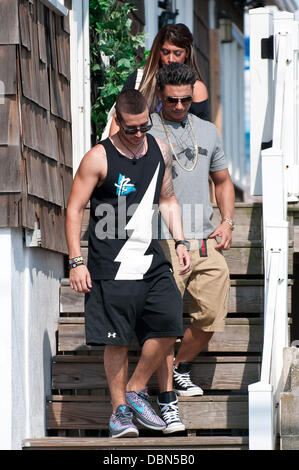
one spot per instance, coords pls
(35, 119)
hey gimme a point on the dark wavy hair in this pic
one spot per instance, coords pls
(175, 74)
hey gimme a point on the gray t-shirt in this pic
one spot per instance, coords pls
(192, 187)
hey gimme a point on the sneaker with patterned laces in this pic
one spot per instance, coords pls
(121, 425)
(168, 404)
(183, 385)
(143, 411)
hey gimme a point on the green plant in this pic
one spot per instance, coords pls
(113, 54)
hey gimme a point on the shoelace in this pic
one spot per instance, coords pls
(170, 412)
(123, 416)
(183, 379)
(144, 395)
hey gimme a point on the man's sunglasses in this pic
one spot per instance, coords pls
(175, 100)
(134, 130)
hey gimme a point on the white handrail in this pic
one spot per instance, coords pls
(264, 395)
(281, 55)
(273, 267)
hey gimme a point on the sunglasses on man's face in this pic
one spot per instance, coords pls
(134, 130)
(175, 100)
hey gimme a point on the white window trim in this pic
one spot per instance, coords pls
(57, 6)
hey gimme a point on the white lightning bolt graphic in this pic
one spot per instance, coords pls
(134, 263)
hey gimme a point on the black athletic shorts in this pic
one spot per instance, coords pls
(115, 309)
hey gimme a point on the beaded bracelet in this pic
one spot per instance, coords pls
(74, 262)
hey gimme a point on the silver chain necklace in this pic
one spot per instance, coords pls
(171, 146)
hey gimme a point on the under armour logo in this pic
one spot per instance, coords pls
(111, 334)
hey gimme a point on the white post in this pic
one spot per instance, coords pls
(86, 77)
(281, 336)
(285, 27)
(76, 82)
(6, 342)
(80, 80)
(261, 104)
(273, 187)
(261, 417)
(269, 177)
(274, 176)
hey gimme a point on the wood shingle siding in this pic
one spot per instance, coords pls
(35, 119)
(9, 30)
(8, 68)
(59, 84)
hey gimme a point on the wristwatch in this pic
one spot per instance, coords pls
(182, 242)
(230, 222)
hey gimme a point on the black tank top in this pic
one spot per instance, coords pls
(123, 217)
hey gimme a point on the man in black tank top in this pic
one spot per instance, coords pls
(128, 282)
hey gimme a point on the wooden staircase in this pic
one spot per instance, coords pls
(79, 408)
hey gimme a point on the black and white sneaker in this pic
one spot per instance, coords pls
(183, 385)
(168, 404)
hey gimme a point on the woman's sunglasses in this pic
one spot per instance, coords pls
(175, 100)
(134, 130)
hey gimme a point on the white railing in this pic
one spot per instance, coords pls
(274, 117)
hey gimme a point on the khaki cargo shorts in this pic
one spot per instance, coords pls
(205, 288)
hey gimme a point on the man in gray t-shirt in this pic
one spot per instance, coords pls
(197, 153)
(192, 185)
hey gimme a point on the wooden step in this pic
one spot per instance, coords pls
(248, 220)
(247, 258)
(140, 443)
(246, 296)
(239, 335)
(210, 372)
(243, 258)
(93, 412)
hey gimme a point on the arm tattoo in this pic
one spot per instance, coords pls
(167, 188)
